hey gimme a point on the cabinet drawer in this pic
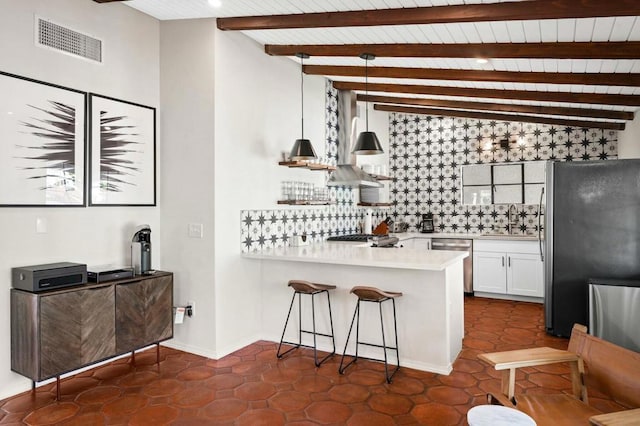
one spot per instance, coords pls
(505, 246)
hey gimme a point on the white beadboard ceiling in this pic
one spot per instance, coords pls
(604, 29)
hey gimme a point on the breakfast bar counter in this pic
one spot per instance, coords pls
(430, 313)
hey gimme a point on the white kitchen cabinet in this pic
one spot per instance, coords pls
(489, 272)
(525, 274)
(508, 267)
(417, 243)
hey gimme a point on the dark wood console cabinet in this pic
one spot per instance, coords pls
(144, 313)
(63, 330)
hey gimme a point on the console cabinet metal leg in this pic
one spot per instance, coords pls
(63, 330)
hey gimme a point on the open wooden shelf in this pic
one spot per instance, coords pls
(305, 202)
(380, 177)
(307, 165)
(375, 204)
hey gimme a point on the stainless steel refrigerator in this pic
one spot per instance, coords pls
(592, 230)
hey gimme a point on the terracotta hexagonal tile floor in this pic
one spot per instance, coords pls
(253, 387)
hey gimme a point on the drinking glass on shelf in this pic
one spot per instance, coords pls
(296, 191)
(286, 190)
(310, 191)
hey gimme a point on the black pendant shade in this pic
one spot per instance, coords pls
(367, 143)
(302, 148)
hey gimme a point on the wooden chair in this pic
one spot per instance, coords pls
(611, 370)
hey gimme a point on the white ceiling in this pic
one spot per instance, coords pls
(559, 30)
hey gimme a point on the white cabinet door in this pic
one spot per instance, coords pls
(417, 243)
(524, 275)
(489, 272)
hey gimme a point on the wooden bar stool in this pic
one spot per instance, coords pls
(372, 294)
(305, 287)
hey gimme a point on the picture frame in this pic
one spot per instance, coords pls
(122, 152)
(43, 139)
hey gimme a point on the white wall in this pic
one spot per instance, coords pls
(629, 140)
(187, 121)
(92, 235)
(257, 116)
(229, 111)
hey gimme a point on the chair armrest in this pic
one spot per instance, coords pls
(619, 418)
(527, 358)
(508, 361)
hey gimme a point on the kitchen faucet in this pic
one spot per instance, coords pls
(513, 217)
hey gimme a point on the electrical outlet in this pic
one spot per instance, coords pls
(195, 230)
(193, 308)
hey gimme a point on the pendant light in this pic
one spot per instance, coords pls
(302, 148)
(367, 143)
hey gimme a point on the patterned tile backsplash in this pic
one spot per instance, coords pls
(271, 228)
(425, 156)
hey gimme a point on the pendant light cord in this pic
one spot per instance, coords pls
(302, 93)
(366, 90)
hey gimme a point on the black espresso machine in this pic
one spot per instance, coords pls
(141, 250)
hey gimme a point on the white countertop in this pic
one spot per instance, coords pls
(360, 254)
(464, 236)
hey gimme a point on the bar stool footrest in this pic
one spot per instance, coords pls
(341, 370)
(298, 346)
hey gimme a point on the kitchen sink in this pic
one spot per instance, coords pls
(502, 235)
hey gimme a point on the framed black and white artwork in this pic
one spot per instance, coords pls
(43, 140)
(122, 153)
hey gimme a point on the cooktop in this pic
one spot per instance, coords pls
(352, 237)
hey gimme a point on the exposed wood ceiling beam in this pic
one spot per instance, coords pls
(507, 11)
(587, 98)
(500, 117)
(563, 50)
(107, 1)
(489, 106)
(606, 79)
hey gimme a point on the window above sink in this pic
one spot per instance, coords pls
(511, 183)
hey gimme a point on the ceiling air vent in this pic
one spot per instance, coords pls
(68, 41)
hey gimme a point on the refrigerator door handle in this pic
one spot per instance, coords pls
(540, 225)
(509, 261)
(503, 261)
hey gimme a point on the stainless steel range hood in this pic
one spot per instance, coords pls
(347, 173)
(351, 175)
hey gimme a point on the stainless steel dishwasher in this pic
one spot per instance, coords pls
(458, 245)
(614, 311)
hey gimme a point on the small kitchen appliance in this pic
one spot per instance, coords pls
(426, 225)
(351, 237)
(399, 227)
(141, 250)
(104, 273)
(299, 240)
(48, 277)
